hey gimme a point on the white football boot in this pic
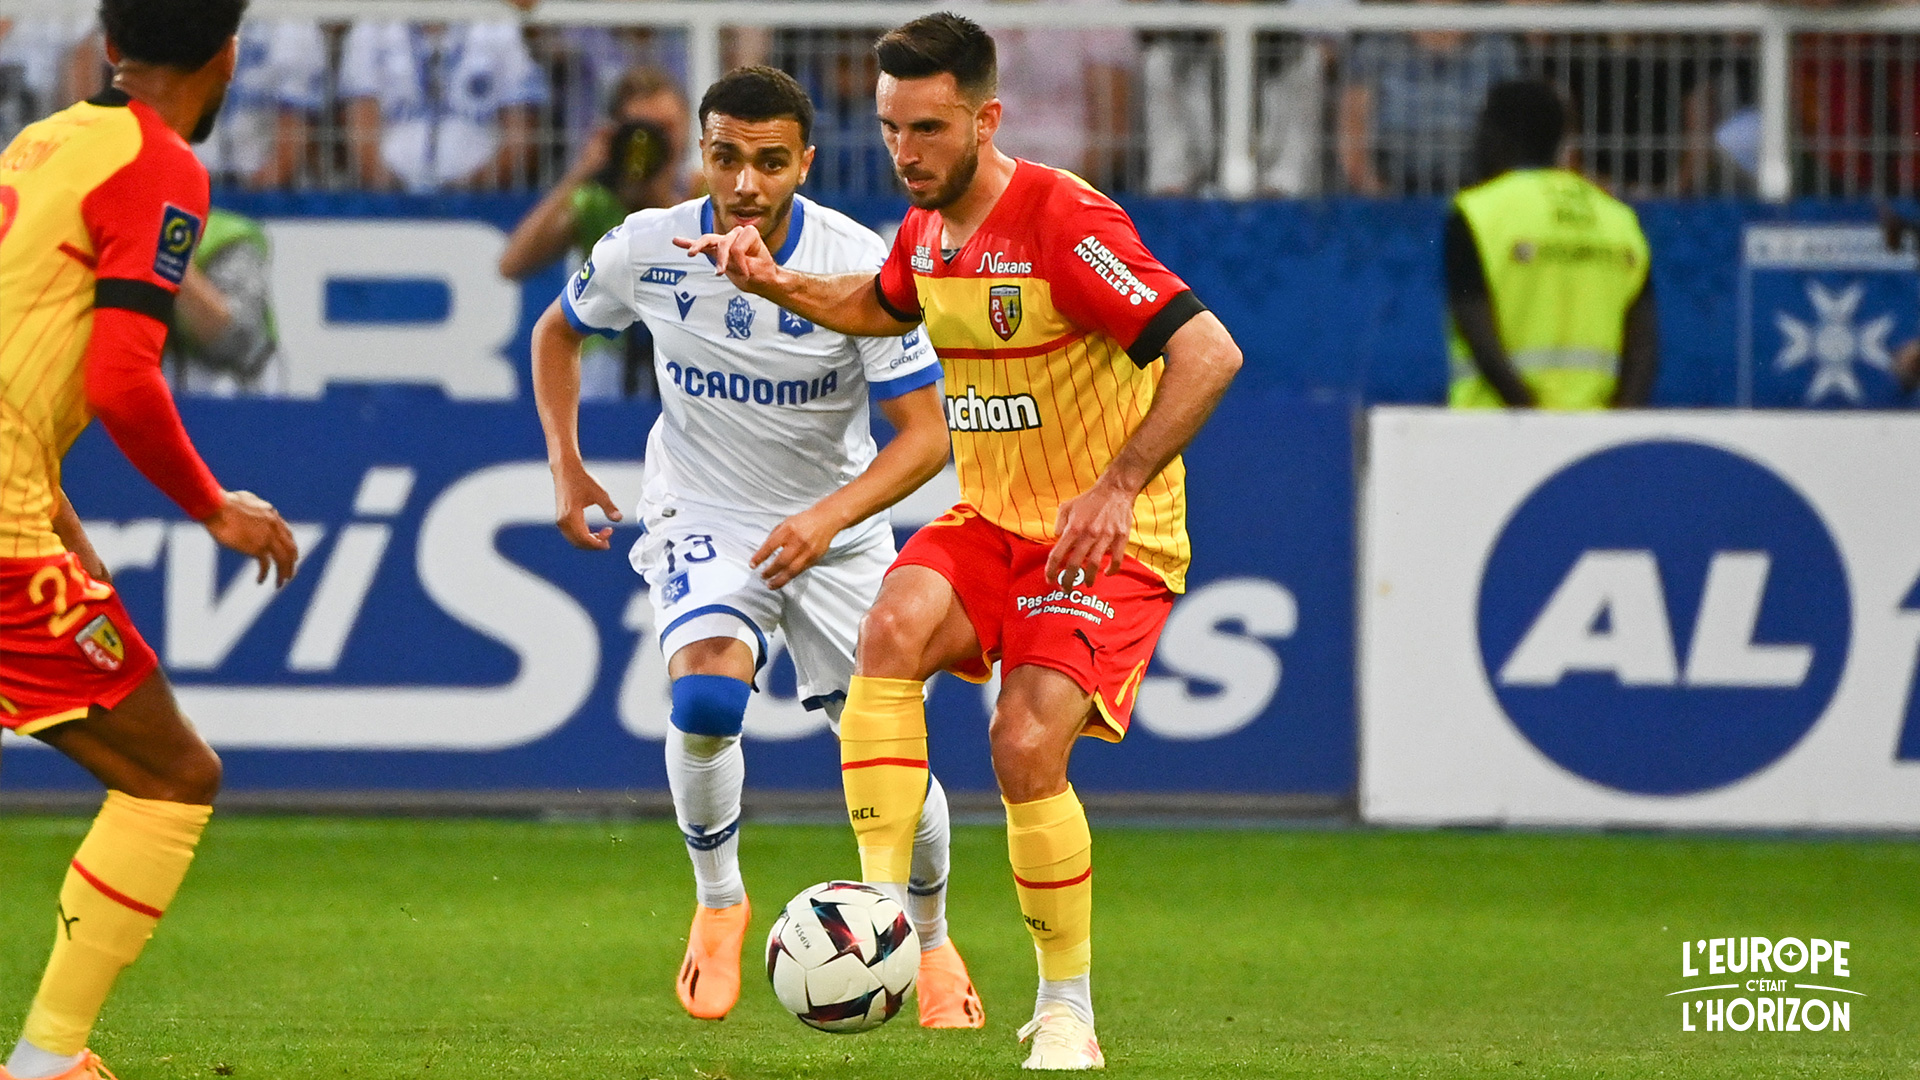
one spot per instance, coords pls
(1061, 1040)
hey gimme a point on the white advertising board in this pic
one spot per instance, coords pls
(1657, 618)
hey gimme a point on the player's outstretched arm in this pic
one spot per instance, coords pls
(846, 303)
(918, 451)
(556, 394)
(127, 393)
(1093, 526)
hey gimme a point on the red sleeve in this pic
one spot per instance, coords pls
(144, 222)
(1103, 277)
(125, 390)
(894, 286)
(145, 219)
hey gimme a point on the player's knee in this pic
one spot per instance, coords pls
(710, 706)
(889, 638)
(193, 777)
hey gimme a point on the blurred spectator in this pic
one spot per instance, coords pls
(1407, 109)
(1858, 98)
(440, 105)
(1180, 118)
(626, 167)
(1646, 109)
(43, 67)
(1293, 105)
(223, 338)
(1903, 235)
(631, 164)
(839, 72)
(278, 84)
(1066, 95)
(588, 64)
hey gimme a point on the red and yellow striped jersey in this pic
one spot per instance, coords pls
(100, 205)
(1051, 321)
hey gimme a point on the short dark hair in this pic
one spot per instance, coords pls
(1524, 122)
(639, 84)
(759, 93)
(942, 43)
(180, 34)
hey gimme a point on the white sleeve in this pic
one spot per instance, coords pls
(599, 299)
(896, 365)
(522, 82)
(360, 60)
(298, 57)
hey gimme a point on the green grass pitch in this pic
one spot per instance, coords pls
(315, 948)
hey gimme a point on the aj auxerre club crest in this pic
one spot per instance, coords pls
(1003, 310)
(739, 318)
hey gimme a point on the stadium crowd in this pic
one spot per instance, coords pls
(388, 105)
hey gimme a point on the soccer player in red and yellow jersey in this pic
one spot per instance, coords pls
(1077, 368)
(100, 208)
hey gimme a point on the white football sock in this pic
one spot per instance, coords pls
(1077, 993)
(932, 851)
(29, 1062)
(706, 773)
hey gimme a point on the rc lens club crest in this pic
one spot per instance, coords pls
(1003, 310)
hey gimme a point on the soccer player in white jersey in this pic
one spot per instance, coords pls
(765, 499)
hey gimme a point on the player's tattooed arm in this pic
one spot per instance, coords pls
(916, 453)
(66, 525)
(1092, 527)
(844, 303)
(556, 395)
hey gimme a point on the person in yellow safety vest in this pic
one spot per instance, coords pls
(1551, 304)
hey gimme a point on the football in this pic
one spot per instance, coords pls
(842, 957)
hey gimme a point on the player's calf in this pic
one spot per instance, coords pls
(162, 779)
(706, 772)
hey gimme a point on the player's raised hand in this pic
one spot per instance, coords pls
(248, 524)
(794, 545)
(1092, 528)
(741, 255)
(574, 491)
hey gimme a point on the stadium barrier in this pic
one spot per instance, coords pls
(442, 636)
(1653, 619)
(1667, 99)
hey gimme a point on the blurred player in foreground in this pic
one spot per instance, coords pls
(765, 499)
(100, 208)
(1547, 281)
(1063, 561)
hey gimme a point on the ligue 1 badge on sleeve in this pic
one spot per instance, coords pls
(100, 643)
(1003, 310)
(1756, 984)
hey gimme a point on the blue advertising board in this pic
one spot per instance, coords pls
(441, 634)
(1823, 308)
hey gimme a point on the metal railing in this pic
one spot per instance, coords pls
(1239, 100)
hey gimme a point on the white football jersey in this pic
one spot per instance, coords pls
(762, 412)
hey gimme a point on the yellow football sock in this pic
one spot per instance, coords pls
(1052, 853)
(883, 766)
(120, 881)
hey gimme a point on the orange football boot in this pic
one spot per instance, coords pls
(947, 996)
(90, 1067)
(709, 980)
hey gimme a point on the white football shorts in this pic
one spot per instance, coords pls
(695, 565)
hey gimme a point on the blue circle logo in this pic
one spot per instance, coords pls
(1664, 617)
